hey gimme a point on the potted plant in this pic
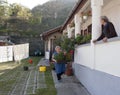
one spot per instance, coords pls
(88, 38)
(78, 39)
(82, 39)
(60, 58)
(67, 45)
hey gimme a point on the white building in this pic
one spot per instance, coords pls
(97, 66)
(49, 38)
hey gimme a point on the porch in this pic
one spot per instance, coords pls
(96, 65)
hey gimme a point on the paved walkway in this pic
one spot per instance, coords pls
(69, 86)
(43, 62)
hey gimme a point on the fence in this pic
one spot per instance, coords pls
(14, 53)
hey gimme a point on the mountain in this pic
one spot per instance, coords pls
(41, 18)
(53, 13)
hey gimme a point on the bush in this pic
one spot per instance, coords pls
(88, 38)
(67, 44)
(83, 39)
(60, 57)
(78, 39)
(68, 57)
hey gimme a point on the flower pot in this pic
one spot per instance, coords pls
(25, 68)
(61, 62)
(69, 70)
(30, 61)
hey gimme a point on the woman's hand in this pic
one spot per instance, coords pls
(94, 41)
(105, 39)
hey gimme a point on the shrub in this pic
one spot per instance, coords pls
(78, 39)
(60, 57)
(83, 39)
(67, 44)
(68, 57)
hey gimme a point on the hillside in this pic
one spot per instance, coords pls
(22, 21)
(53, 13)
(25, 25)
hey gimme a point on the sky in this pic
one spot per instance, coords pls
(28, 3)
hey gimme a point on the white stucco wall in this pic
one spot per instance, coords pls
(87, 23)
(49, 44)
(83, 55)
(47, 55)
(57, 35)
(107, 57)
(48, 47)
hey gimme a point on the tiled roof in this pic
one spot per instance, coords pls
(47, 33)
(77, 7)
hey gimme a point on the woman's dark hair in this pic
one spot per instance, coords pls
(105, 18)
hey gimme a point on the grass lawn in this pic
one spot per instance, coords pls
(50, 90)
(11, 72)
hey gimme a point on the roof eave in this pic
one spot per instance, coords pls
(78, 6)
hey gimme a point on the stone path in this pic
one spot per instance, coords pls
(43, 62)
(69, 86)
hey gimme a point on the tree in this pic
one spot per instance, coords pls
(4, 13)
(20, 11)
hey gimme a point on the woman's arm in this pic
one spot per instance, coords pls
(53, 58)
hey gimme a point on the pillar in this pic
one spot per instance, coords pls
(78, 21)
(69, 31)
(96, 6)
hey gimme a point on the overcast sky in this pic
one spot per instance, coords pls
(28, 3)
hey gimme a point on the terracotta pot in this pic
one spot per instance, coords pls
(69, 70)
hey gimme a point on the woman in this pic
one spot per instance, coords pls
(108, 30)
(59, 67)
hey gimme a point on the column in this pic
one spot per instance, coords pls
(78, 21)
(69, 31)
(96, 6)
